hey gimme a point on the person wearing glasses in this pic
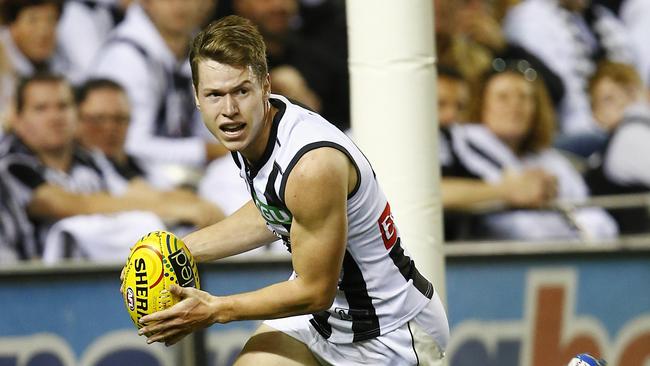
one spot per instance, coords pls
(513, 134)
(104, 117)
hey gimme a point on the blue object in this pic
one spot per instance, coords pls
(585, 359)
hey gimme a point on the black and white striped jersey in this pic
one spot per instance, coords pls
(379, 287)
(22, 172)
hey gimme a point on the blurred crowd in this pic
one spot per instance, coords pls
(542, 104)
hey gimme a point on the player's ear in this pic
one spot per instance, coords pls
(266, 86)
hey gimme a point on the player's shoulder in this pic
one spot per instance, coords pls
(299, 126)
(320, 174)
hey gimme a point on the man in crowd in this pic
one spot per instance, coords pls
(147, 55)
(52, 177)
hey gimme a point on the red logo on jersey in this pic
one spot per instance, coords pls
(387, 227)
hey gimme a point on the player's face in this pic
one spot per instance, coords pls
(48, 120)
(453, 100)
(508, 107)
(34, 31)
(175, 17)
(234, 106)
(104, 120)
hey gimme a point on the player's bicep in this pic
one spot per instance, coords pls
(316, 195)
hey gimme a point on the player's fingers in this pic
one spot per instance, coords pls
(158, 316)
(178, 291)
(183, 292)
(160, 327)
(175, 339)
(163, 336)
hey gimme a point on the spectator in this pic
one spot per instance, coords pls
(52, 178)
(515, 137)
(301, 68)
(15, 231)
(104, 115)
(469, 36)
(570, 36)
(29, 39)
(85, 25)
(147, 54)
(453, 96)
(7, 84)
(620, 105)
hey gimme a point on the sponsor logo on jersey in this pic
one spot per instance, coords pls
(273, 215)
(389, 233)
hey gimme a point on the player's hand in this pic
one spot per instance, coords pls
(196, 310)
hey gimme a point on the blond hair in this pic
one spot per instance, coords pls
(233, 41)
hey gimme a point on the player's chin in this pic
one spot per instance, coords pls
(234, 145)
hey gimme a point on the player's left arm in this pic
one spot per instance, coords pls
(316, 194)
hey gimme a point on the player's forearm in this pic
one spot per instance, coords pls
(289, 298)
(242, 231)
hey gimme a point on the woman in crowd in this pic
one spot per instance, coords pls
(514, 139)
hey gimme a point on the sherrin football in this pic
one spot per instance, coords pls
(157, 261)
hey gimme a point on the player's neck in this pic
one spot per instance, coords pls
(256, 152)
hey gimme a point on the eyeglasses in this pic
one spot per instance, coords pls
(518, 65)
(120, 119)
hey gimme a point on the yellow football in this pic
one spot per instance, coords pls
(157, 260)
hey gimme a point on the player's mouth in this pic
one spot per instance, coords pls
(232, 129)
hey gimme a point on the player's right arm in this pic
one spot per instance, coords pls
(240, 232)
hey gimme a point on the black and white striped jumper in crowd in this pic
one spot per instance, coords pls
(22, 172)
(473, 151)
(379, 287)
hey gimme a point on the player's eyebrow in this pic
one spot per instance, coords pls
(223, 91)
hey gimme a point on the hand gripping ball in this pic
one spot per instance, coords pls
(157, 261)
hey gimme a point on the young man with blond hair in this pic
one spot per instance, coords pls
(355, 296)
